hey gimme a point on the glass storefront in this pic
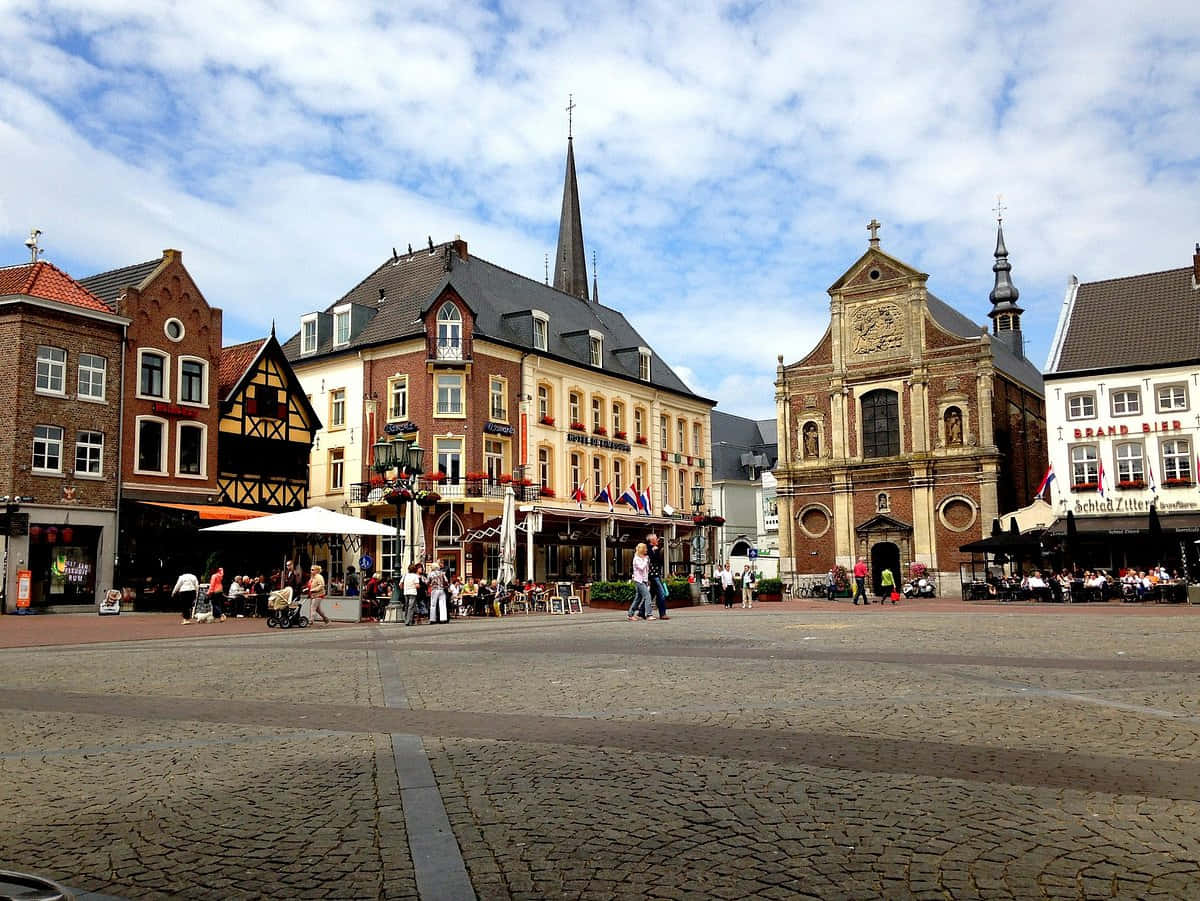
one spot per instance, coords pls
(62, 559)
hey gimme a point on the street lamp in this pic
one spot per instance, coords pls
(406, 458)
(698, 537)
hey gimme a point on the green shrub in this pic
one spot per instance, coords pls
(770, 586)
(613, 591)
(679, 590)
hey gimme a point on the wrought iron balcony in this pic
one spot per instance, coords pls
(448, 350)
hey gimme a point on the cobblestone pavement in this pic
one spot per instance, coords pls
(790, 751)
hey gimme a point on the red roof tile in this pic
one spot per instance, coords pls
(235, 360)
(48, 282)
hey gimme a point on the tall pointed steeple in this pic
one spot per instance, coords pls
(1005, 314)
(570, 262)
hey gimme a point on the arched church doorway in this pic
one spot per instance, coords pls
(884, 555)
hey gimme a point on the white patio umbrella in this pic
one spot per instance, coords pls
(508, 539)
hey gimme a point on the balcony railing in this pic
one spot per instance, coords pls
(457, 490)
(448, 350)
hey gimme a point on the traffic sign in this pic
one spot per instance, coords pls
(753, 555)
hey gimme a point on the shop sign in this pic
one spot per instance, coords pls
(173, 409)
(1102, 431)
(594, 441)
(497, 428)
(24, 587)
(77, 570)
(14, 523)
(400, 428)
(1124, 504)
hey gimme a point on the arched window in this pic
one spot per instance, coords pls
(449, 332)
(741, 548)
(449, 531)
(881, 423)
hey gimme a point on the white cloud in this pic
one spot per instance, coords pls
(729, 157)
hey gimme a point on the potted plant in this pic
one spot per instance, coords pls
(437, 476)
(547, 420)
(600, 430)
(770, 590)
(397, 496)
(640, 439)
(1177, 483)
(427, 498)
(546, 491)
(621, 435)
(917, 570)
(504, 479)
(578, 426)
(1088, 486)
(376, 481)
(522, 483)
(1131, 485)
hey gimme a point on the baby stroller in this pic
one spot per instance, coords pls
(284, 612)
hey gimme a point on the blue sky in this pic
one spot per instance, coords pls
(730, 155)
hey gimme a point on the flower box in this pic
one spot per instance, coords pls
(546, 492)
(1177, 483)
(1131, 485)
(578, 427)
(504, 479)
(522, 483)
(427, 498)
(437, 476)
(376, 481)
(477, 476)
(547, 420)
(600, 430)
(621, 435)
(1085, 486)
(640, 439)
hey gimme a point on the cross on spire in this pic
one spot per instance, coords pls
(999, 208)
(873, 227)
(570, 112)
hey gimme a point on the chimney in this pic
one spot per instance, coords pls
(1196, 267)
(382, 295)
(460, 247)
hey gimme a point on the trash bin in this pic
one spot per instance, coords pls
(1193, 594)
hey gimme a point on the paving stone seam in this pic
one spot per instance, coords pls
(147, 747)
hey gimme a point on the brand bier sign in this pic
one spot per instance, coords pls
(1173, 425)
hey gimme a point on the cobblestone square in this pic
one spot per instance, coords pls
(797, 750)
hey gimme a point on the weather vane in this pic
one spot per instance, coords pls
(999, 208)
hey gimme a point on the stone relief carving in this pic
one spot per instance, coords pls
(876, 329)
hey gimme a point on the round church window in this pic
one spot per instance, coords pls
(814, 521)
(957, 513)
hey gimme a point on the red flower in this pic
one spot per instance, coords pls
(578, 426)
(547, 420)
(620, 434)
(546, 492)
(600, 430)
(640, 439)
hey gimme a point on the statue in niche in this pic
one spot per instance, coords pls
(881, 503)
(954, 430)
(812, 444)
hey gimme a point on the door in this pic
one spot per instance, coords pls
(884, 555)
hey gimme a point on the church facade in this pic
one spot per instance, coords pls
(908, 428)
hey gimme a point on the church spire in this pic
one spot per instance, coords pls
(570, 261)
(1005, 314)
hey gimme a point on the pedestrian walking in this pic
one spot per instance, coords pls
(412, 585)
(642, 604)
(316, 590)
(437, 594)
(185, 590)
(831, 582)
(748, 582)
(887, 586)
(216, 593)
(727, 586)
(860, 581)
(658, 585)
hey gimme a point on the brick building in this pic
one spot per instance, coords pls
(503, 378)
(908, 428)
(59, 435)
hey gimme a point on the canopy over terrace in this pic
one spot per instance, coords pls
(308, 521)
(599, 529)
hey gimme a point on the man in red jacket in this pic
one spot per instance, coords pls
(860, 581)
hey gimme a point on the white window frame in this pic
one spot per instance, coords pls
(51, 366)
(1177, 390)
(449, 331)
(644, 364)
(47, 441)
(664, 428)
(444, 445)
(82, 367)
(597, 475)
(639, 422)
(203, 381)
(137, 445)
(494, 452)
(1077, 405)
(89, 446)
(595, 349)
(1130, 459)
(618, 418)
(203, 429)
(143, 352)
(575, 406)
(335, 423)
(543, 401)
(449, 378)
(597, 412)
(397, 386)
(697, 439)
(618, 476)
(541, 330)
(341, 315)
(1121, 398)
(545, 469)
(307, 347)
(639, 475)
(1090, 466)
(1175, 455)
(576, 473)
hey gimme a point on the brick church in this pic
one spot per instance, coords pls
(908, 428)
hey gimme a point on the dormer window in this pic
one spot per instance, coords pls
(644, 364)
(541, 330)
(449, 332)
(308, 334)
(341, 326)
(596, 349)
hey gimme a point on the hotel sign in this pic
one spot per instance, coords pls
(594, 441)
(497, 428)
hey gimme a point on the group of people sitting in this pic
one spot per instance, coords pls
(432, 594)
(1088, 585)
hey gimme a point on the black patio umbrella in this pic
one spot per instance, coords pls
(996, 528)
(1155, 529)
(1072, 539)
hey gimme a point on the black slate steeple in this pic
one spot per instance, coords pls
(1005, 314)
(570, 262)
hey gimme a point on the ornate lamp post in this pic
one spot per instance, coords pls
(406, 458)
(698, 538)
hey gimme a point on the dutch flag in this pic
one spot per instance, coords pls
(1150, 474)
(605, 497)
(578, 496)
(629, 496)
(644, 500)
(1100, 479)
(1046, 480)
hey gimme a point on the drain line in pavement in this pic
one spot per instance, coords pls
(437, 859)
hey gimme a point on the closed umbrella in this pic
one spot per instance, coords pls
(1156, 532)
(508, 539)
(1072, 539)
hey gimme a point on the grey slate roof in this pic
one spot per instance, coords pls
(109, 286)
(1004, 359)
(498, 298)
(570, 263)
(735, 436)
(1138, 321)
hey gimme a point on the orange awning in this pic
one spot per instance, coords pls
(213, 511)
